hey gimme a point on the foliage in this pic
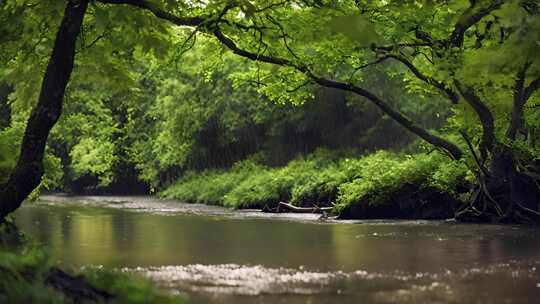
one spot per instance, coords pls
(10, 139)
(22, 275)
(322, 185)
(211, 186)
(7, 155)
(247, 184)
(166, 102)
(320, 179)
(268, 187)
(383, 174)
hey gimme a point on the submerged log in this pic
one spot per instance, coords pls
(283, 207)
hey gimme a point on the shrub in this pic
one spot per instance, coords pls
(210, 186)
(383, 174)
(268, 187)
(319, 178)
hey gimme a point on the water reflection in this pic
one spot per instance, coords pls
(407, 262)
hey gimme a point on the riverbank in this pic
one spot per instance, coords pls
(377, 186)
(30, 276)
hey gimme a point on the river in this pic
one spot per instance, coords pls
(213, 255)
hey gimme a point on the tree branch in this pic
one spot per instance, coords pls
(160, 13)
(470, 17)
(453, 96)
(441, 143)
(533, 87)
(483, 113)
(401, 119)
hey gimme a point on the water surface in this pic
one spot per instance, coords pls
(212, 255)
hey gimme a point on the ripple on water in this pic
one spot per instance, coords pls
(511, 279)
(238, 279)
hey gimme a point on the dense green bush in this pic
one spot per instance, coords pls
(320, 179)
(247, 184)
(383, 174)
(322, 185)
(262, 188)
(210, 186)
(275, 185)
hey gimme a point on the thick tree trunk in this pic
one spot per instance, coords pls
(27, 174)
(504, 192)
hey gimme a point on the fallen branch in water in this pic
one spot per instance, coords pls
(286, 207)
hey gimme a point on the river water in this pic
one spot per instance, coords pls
(213, 255)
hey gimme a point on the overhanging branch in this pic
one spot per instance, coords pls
(484, 114)
(533, 87)
(453, 96)
(401, 119)
(470, 17)
(160, 13)
(212, 27)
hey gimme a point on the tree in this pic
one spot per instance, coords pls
(26, 175)
(436, 48)
(448, 56)
(443, 48)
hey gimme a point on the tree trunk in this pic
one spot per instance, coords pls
(484, 115)
(506, 194)
(27, 174)
(516, 119)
